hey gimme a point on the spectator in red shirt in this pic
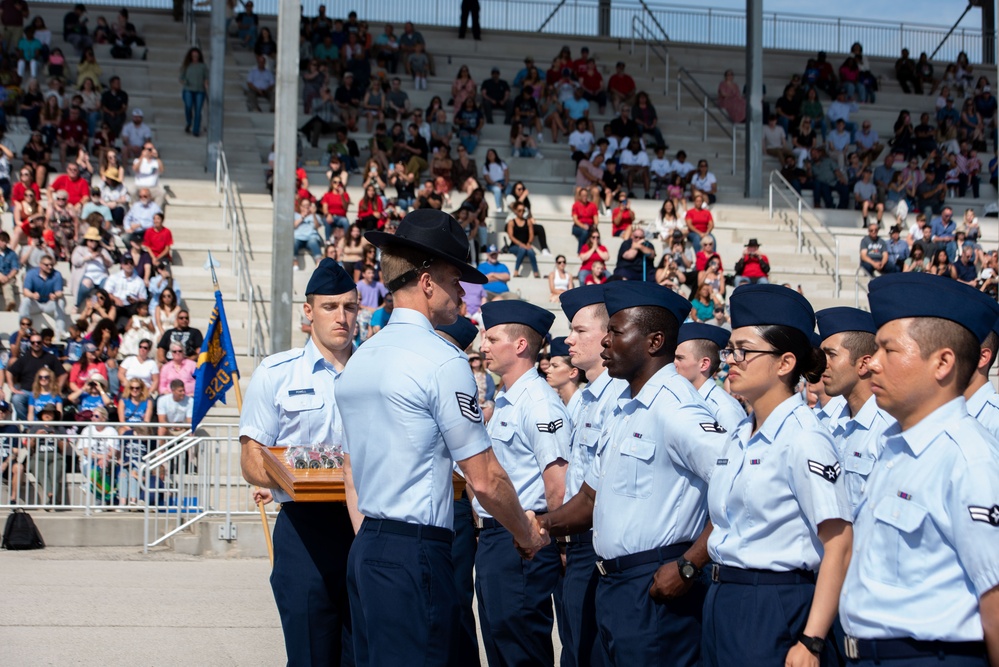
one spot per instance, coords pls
(158, 240)
(622, 217)
(700, 223)
(72, 134)
(585, 215)
(592, 83)
(592, 253)
(334, 205)
(753, 268)
(579, 65)
(26, 182)
(706, 254)
(621, 88)
(76, 187)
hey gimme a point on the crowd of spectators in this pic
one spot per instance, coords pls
(88, 192)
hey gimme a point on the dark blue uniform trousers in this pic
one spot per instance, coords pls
(579, 591)
(637, 630)
(747, 624)
(515, 600)
(404, 606)
(463, 557)
(311, 543)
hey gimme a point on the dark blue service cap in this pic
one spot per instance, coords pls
(701, 331)
(517, 312)
(762, 305)
(558, 348)
(576, 299)
(462, 331)
(901, 295)
(622, 294)
(842, 318)
(329, 278)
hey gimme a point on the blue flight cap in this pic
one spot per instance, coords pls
(842, 318)
(578, 298)
(558, 348)
(701, 331)
(462, 331)
(815, 339)
(622, 294)
(761, 305)
(329, 278)
(517, 312)
(901, 295)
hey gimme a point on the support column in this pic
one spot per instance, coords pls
(604, 18)
(216, 83)
(285, 154)
(988, 33)
(754, 99)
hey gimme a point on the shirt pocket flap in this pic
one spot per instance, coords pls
(859, 464)
(302, 402)
(902, 514)
(503, 432)
(643, 450)
(588, 436)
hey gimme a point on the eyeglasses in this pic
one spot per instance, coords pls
(176, 351)
(44, 377)
(135, 387)
(25, 323)
(143, 347)
(561, 261)
(36, 342)
(738, 355)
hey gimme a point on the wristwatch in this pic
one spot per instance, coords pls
(814, 644)
(688, 571)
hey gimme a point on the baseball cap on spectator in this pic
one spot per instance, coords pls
(5, 406)
(137, 237)
(137, 112)
(492, 250)
(127, 259)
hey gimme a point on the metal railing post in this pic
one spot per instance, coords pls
(799, 226)
(646, 55)
(771, 197)
(678, 92)
(705, 131)
(666, 76)
(734, 132)
(836, 285)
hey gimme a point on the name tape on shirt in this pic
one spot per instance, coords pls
(712, 427)
(828, 473)
(989, 515)
(550, 427)
(469, 407)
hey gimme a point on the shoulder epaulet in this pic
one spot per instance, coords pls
(282, 357)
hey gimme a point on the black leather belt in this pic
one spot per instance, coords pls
(905, 648)
(578, 538)
(487, 523)
(671, 552)
(393, 527)
(736, 575)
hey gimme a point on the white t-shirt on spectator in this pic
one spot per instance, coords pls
(140, 370)
(134, 135)
(494, 170)
(637, 159)
(682, 168)
(581, 141)
(703, 184)
(175, 413)
(147, 173)
(773, 137)
(660, 167)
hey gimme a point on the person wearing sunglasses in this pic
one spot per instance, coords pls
(43, 293)
(44, 391)
(21, 374)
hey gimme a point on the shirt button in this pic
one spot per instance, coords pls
(895, 514)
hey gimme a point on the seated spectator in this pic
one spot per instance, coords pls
(874, 256)
(584, 216)
(187, 337)
(11, 468)
(704, 303)
(826, 179)
(917, 261)
(44, 392)
(148, 168)
(965, 269)
(43, 293)
(74, 28)
(382, 316)
(530, 112)
(842, 107)
(868, 145)
(370, 210)
(306, 233)
(139, 326)
(942, 266)
(598, 275)
(730, 98)
(99, 307)
(700, 222)
(419, 64)
(166, 311)
(787, 108)
(90, 263)
(175, 407)
(589, 176)
(260, 84)
(667, 221)
(634, 161)
(838, 142)
(10, 266)
(88, 366)
(158, 241)
(135, 135)
(397, 104)
(865, 196)
(47, 463)
(468, 120)
(930, 194)
(559, 280)
(753, 267)
(497, 273)
(704, 183)
(591, 253)
(126, 288)
(636, 258)
(408, 42)
(178, 368)
(246, 25)
(775, 140)
(496, 95)
(621, 88)
(906, 73)
(324, 118)
(520, 232)
(668, 274)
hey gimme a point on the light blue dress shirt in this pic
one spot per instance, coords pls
(573, 407)
(530, 429)
(926, 538)
(771, 490)
(409, 408)
(726, 409)
(858, 443)
(598, 402)
(825, 413)
(290, 401)
(651, 472)
(984, 406)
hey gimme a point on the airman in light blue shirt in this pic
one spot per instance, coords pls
(697, 361)
(983, 401)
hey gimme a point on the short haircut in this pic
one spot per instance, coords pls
(534, 340)
(859, 344)
(399, 259)
(934, 333)
(653, 319)
(706, 348)
(991, 343)
(5, 237)
(176, 384)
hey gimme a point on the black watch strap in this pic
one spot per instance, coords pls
(688, 571)
(814, 644)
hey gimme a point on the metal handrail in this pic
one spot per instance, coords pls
(644, 33)
(798, 202)
(190, 25)
(700, 94)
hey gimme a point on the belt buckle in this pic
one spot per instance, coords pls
(568, 539)
(850, 647)
(601, 569)
(715, 573)
(478, 522)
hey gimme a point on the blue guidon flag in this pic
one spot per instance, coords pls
(217, 369)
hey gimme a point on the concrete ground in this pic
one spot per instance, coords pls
(111, 606)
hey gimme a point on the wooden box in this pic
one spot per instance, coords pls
(317, 485)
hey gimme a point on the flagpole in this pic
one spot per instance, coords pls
(239, 409)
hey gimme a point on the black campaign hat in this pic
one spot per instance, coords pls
(435, 233)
